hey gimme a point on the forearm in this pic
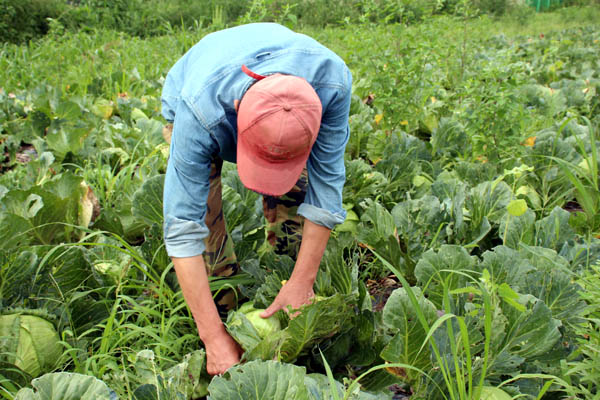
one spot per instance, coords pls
(299, 288)
(314, 242)
(191, 273)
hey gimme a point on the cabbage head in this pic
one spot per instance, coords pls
(264, 326)
(29, 342)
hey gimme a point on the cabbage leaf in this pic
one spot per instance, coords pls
(66, 386)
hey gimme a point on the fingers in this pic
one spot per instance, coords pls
(219, 370)
(213, 371)
(272, 309)
(222, 355)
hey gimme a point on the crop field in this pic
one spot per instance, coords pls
(468, 266)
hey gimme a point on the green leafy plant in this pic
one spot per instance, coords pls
(470, 187)
(66, 386)
(584, 372)
(29, 341)
(264, 327)
(315, 322)
(584, 177)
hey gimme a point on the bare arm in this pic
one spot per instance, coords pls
(221, 350)
(298, 290)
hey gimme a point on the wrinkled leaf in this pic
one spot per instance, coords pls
(400, 317)
(488, 199)
(30, 342)
(316, 322)
(515, 230)
(554, 230)
(551, 281)
(532, 333)
(260, 380)
(506, 265)
(444, 268)
(186, 380)
(66, 386)
(45, 214)
(147, 201)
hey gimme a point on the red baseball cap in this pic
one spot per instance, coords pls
(278, 122)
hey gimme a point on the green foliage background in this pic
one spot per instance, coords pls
(463, 126)
(24, 20)
(21, 21)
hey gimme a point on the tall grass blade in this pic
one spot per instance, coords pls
(333, 386)
(422, 320)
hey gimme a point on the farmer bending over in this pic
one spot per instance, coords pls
(276, 102)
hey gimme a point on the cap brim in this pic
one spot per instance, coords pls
(273, 179)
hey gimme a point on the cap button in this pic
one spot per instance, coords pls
(287, 107)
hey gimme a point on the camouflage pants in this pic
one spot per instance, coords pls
(283, 227)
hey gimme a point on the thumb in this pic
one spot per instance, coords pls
(272, 309)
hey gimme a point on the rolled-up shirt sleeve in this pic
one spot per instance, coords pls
(326, 172)
(187, 185)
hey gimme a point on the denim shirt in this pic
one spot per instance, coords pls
(198, 98)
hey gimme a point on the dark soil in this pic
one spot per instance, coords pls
(399, 392)
(572, 206)
(380, 290)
